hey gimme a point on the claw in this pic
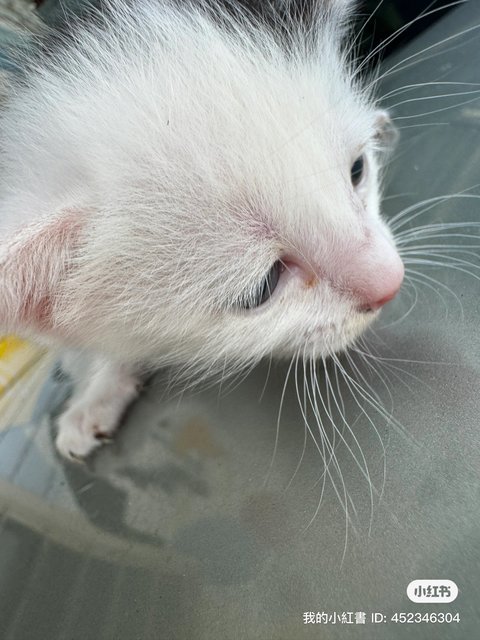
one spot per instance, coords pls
(75, 458)
(104, 437)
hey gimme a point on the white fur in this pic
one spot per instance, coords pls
(191, 155)
(94, 413)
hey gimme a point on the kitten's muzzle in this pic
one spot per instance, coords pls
(371, 275)
(378, 304)
(381, 284)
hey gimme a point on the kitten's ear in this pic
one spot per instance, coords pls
(303, 4)
(33, 265)
(386, 132)
(313, 11)
(340, 8)
(339, 14)
(341, 5)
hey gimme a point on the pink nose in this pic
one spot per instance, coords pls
(371, 273)
(381, 282)
(374, 305)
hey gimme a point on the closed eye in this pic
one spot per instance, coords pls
(263, 291)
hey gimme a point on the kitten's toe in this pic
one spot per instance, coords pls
(95, 413)
(103, 436)
(74, 458)
(81, 430)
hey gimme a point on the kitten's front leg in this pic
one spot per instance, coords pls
(96, 410)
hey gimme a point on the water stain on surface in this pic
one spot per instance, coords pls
(196, 436)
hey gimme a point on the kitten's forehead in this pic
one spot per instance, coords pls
(290, 144)
(226, 107)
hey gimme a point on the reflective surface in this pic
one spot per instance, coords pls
(199, 523)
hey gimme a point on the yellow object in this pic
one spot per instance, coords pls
(24, 368)
(16, 358)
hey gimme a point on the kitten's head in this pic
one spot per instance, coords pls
(219, 196)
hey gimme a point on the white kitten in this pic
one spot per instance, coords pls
(184, 186)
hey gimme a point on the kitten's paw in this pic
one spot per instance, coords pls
(83, 428)
(96, 412)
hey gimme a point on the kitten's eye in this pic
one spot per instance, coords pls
(265, 288)
(357, 170)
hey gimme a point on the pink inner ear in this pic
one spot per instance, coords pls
(35, 264)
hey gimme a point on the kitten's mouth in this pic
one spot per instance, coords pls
(338, 336)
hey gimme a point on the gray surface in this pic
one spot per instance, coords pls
(184, 529)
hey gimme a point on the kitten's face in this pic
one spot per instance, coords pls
(210, 197)
(308, 269)
(283, 251)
